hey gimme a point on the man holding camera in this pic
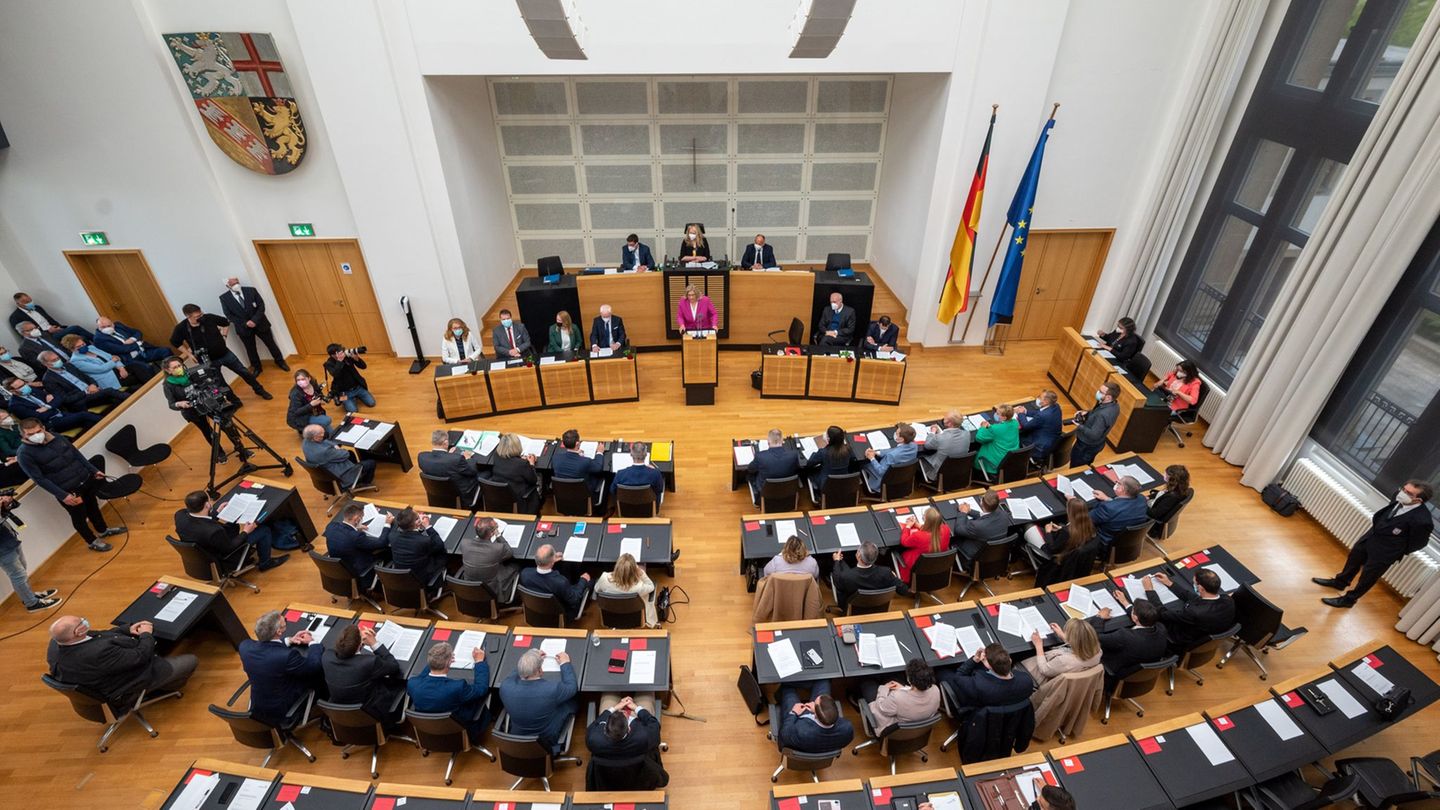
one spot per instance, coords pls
(12, 560)
(345, 381)
(203, 335)
(61, 470)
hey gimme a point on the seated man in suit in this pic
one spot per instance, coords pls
(973, 531)
(12, 366)
(486, 557)
(27, 310)
(571, 463)
(989, 678)
(1113, 515)
(225, 541)
(836, 324)
(35, 342)
(114, 664)
(1197, 616)
(945, 441)
(76, 390)
(358, 670)
(280, 670)
(904, 452)
(126, 342)
(543, 578)
(627, 736)
(432, 690)
(1041, 425)
(1126, 642)
(418, 547)
(641, 472)
(327, 454)
(347, 541)
(32, 401)
(864, 576)
(538, 707)
(774, 461)
(607, 331)
(880, 336)
(815, 727)
(636, 255)
(461, 467)
(510, 338)
(758, 255)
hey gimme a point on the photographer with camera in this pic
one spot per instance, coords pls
(346, 384)
(203, 335)
(179, 389)
(12, 560)
(58, 468)
(307, 403)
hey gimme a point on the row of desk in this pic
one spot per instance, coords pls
(1169, 764)
(212, 784)
(553, 380)
(823, 372)
(1079, 367)
(615, 453)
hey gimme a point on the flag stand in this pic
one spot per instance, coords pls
(998, 242)
(996, 337)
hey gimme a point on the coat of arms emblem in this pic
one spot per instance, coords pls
(244, 97)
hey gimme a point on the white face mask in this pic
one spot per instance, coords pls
(1039, 403)
(235, 287)
(1099, 396)
(692, 237)
(39, 436)
(8, 421)
(835, 307)
(758, 246)
(1404, 498)
(109, 330)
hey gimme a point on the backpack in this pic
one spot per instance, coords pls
(1279, 500)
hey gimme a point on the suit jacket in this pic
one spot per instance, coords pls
(1194, 619)
(822, 465)
(638, 474)
(462, 472)
(30, 349)
(772, 462)
(574, 465)
(220, 539)
(116, 345)
(948, 443)
(973, 530)
(421, 552)
(458, 698)
(630, 764)
(253, 309)
(279, 675)
(540, 707)
(500, 340)
(113, 664)
(520, 476)
(1041, 427)
(21, 315)
(644, 737)
(903, 705)
(627, 258)
(703, 318)
(374, 681)
(851, 578)
(1124, 647)
(577, 339)
(450, 353)
(801, 732)
(1391, 538)
(617, 332)
(554, 583)
(489, 562)
(1116, 514)
(846, 333)
(975, 686)
(766, 259)
(71, 398)
(882, 337)
(1123, 348)
(885, 459)
(330, 456)
(354, 548)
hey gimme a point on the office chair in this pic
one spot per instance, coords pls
(1015, 466)
(1127, 545)
(780, 494)
(898, 739)
(331, 487)
(93, 708)
(545, 609)
(337, 581)
(1187, 417)
(125, 444)
(206, 567)
(353, 727)
(524, 757)
(626, 612)
(549, 266)
(573, 497)
(992, 563)
(837, 261)
(954, 474)
(839, 491)
(1261, 629)
(1138, 366)
(637, 501)
(1201, 654)
(475, 599)
(440, 492)
(496, 496)
(252, 732)
(794, 760)
(404, 592)
(897, 484)
(930, 574)
(441, 732)
(1140, 682)
(1161, 531)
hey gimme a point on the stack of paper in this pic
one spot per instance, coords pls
(744, 454)
(605, 352)
(196, 791)
(782, 655)
(457, 370)
(878, 441)
(488, 440)
(1063, 486)
(1227, 582)
(177, 605)
(465, 647)
(808, 445)
(532, 447)
(847, 535)
(642, 666)
(374, 435)
(1134, 471)
(399, 639)
(624, 461)
(513, 534)
(921, 431)
(943, 639)
(549, 360)
(250, 795)
(551, 647)
(351, 434)
(498, 365)
(444, 525)
(1082, 490)
(1372, 678)
(589, 449)
(974, 504)
(1279, 720)
(575, 548)
(785, 529)
(631, 546)
(970, 423)
(1209, 743)
(1019, 508)
(468, 440)
(242, 508)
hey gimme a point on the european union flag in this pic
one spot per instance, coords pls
(1002, 306)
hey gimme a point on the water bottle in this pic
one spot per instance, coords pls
(594, 638)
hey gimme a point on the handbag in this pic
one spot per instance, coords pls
(1279, 500)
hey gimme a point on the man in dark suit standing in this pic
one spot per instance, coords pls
(1126, 642)
(347, 541)
(114, 664)
(372, 677)
(246, 310)
(758, 255)
(27, 310)
(1402, 527)
(224, 541)
(835, 325)
(774, 461)
(460, 468)
(1041, 425)
(989, 678)
(972, 530)
(636, 255)
(545, 579)
(281, 670)
(433, 690)
(607, 331)
(1198, 616)
(814, 727)
(536, 706)
(865, 575)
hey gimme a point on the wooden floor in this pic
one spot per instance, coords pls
(48, 754)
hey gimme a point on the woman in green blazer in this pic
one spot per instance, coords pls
(996, 440)
(564, 335)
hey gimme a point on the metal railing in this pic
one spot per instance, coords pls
(1370, 436)
(1200, 315)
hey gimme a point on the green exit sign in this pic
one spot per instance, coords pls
(302, 229)
(94, 238)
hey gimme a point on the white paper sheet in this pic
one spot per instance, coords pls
(488, 441)
(624, 461)
(847, 535)
(1033, 621)
(782, 655)
(1082, 490)
(1064, 487)
(176, 606)
(548, 360)
(974, 504)
(457, 370)
(921, 431)
(497, 365)
(969, 639)
(744, 454)
(1134, 588)
(237, 507)
(1227, 582)
(1104, 599)
(375, 434)
(1019, 508)
(949, 800)
(1038, 509)
(551, 647)
(1092, 343)
(465, 646)
(399, 639)
(1341, 697)
(196, 791)
(250, 795)
(351, 434)
(631, 546)
(605, 352)
(318, 634)
(889, 649)
(1106, 355)
(1010, 621)
(1025, 780)
(468, 440)
(878, 441)
(532, 447)
(1280, 721)
(371, 512)
(1369, 676)
(376, 527)
(589, 449)
(575, 548)
(642, 666)
(867, 650)
(1209, 744)
(513, 534)
(444, 525)
(809, 445)
(943, 639)
(1080, 601)
(785, 529)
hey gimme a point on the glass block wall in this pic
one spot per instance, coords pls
(589, 160)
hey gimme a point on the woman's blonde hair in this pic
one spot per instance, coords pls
(932, 523)
(795, 550)
(451, 325)
(564, 319)
(691, 289)
(509, 446)
(1082, 639)
(626, 573)
(1004, 411)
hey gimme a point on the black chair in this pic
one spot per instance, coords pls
(955, 474)
(549, 266)
(898, 739)
(1076, 564)
(1127, 545)
(1138, 366)
(1187, 417)
(780, 494)
(1015, 466)
(839, 491)
(93, 708)
(791, 759)
(119, 488)
(1140, 682)
(125, 443)
(1261, 628)
(625, 612)
(1426, 768)
(637, 501)
(897, 484)
(403, 592)
(992, 563)
(1382, 783)
(837, 261)
(353, 727)
(573, 497)
(337, 581)
(930, 574)
(865, 601)
(440, 492)
(1201, 654)
(1060, 454)
(253, 733)
(1161, 530)
(1289, 791)
(331, 487)
(475, 599)
(497, 497)
(442, 733)
(544, 609)
(206, 567)
(525, 758)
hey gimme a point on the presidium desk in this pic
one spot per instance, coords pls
(1078, 369)
(553, 380)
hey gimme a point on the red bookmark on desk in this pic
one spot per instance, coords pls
(522, 641)
(1373, 660)
(287, 793)
(195, 773)
(1062, 595)
(791, 803)
(383, 803)
(440, 635)
(292, 615)
(861, 437)
(1071, 765)
(639, 643)
(764, 636)
(752, 525)
(1149, 746)
(1224, 723)
(819, 521)
(615, 528)
(880, 796)
(1293, 700)
(923, 621)
(1002, 494)
(994, 609)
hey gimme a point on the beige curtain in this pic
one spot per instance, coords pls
(1420, 618)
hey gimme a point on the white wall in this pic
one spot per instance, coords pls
(917, 114)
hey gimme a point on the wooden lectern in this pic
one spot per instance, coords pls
(699, 367)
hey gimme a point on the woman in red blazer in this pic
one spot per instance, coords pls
(922, 538)
(696, 311)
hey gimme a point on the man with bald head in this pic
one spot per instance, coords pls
(246, 310)
(607, 331)
(114, 664)
(545, 579)
(126, 342)
(536, 706)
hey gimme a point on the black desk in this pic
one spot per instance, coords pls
(1187, 562)
(1153, 479)
(314, 617)
(963, 614)
(824, 529)
(617, 801)
(451, 533)
(231, 779)
(524, 639)
(1393, 667)
(390, 448)
(1109, 772)
(891, 519)
(655, 534)
(409, 661)
(209, 603)
(1335, 731)
(820, 636)
(858, 292)
(1095, 481)
(762, 537)
(1025, 768)
(597, 677)
(1266, 745)
(539, 303)
(292, 793)
(496, 638)
(1054, 506)
(282, 500)
(389, 797)
(1182, 768)
(739, 473)
(881, 624)
(1050, 610)
(666, 468)
(843, 794)
(917, 786)
(557, 531)
(949, 508)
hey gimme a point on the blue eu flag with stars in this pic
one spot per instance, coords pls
(1022, 208)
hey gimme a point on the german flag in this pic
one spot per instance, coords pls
(956, 296)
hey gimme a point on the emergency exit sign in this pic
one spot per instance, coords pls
(94, 238)
(302, 229)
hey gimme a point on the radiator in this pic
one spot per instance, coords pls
(1346, 517)
(1163, 358)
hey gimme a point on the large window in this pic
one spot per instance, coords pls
(1331, 63)
(1383, 420)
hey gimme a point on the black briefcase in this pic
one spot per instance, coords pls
(756, 377)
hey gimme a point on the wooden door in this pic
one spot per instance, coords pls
(321, 302)
(122, 288)
(1061, 270)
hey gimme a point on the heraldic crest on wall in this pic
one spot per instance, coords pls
(244, 97)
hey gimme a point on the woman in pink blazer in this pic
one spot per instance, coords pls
(696, 311)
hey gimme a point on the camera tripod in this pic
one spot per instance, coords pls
(231, 426)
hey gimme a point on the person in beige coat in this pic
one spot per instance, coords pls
(1080, 651)
(893, 702)
(786, 598)
(627, 578)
